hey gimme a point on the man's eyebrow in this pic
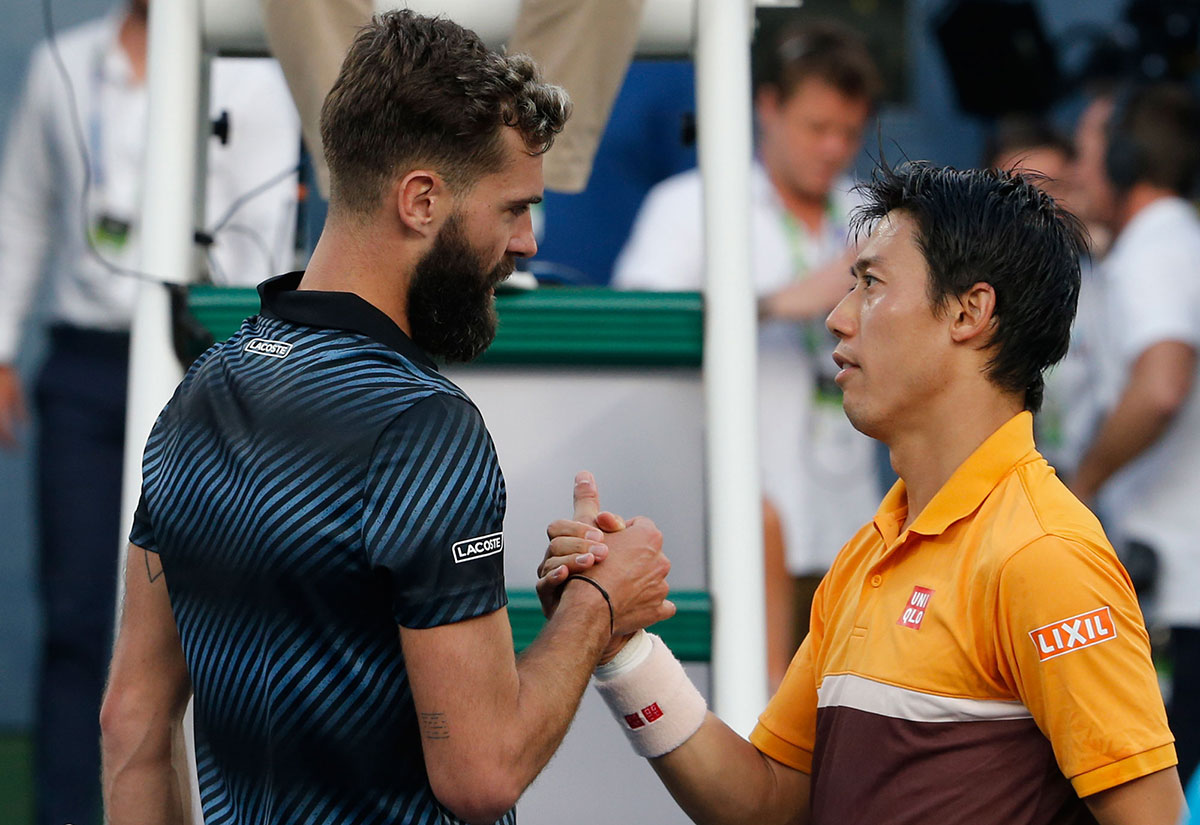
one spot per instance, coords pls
(532, 199)
(861, 265)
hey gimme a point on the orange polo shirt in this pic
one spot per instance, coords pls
(976, 666)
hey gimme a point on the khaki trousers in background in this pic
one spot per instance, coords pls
(585, 46)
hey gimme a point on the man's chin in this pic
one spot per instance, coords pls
(860, 420)
(468, 345)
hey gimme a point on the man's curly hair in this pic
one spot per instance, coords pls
(420, 91)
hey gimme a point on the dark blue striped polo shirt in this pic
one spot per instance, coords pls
(313, 483)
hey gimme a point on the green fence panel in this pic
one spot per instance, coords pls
(688, 633)
(553, 326)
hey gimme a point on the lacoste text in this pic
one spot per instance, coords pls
(478, 547)
(265, 346)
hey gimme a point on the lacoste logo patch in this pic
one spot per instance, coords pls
(1076, 633)
(914, 612)
(265, 346)
(478, 547)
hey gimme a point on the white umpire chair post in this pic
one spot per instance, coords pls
(172, 206)
(735, 541)
(183, 32)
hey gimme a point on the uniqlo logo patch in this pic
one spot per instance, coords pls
(634, 720)
(1075, 633)
(914, 613)
(652, 712)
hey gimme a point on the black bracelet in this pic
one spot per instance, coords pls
(603, 592)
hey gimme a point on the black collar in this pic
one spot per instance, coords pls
(281, 299)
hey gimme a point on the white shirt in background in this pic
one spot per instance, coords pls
(817, 470)
(42, 217)
(1072, 410)
(1152, 288)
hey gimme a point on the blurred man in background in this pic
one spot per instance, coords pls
(46, 218)
(1027, 144)
(1140, 158)
(816, 88)
(1067, 419)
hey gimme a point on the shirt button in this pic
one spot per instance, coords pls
(876, 580)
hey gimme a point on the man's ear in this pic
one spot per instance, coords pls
(422, 201)
(766, 103)
(973, 315)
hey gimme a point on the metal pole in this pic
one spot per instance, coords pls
(735, 551)
(177, 111)
(174, 86)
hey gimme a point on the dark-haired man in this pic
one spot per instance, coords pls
(976, 654)
(1139, 160)
(815, 88)
(317, 555)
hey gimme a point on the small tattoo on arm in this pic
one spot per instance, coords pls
(434, 725)
(154, 569)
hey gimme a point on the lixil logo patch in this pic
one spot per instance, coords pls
(1075, 633)
(265, 346)
(478, 547)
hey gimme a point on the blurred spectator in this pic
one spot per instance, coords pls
(1070, 410)
(1144, 462)
(1031, 145)
(80, 391)
(815, 90)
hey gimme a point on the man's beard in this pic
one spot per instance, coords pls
(450, 307)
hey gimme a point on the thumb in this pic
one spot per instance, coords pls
(587, 498)
(610, 522)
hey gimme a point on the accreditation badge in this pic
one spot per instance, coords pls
(110, 232)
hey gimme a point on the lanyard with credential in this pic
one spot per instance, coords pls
(107, 229)
(801, 255)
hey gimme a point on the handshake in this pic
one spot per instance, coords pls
(622, 561)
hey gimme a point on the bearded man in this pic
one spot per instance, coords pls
(317, 556)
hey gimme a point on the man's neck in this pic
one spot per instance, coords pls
(809, 210)
(927, 454)
(1139, 196)
(132, 38)
(349, 257)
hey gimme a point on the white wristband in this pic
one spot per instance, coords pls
(651, 696)
(628, 657)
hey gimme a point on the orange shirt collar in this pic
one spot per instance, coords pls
(966, 489)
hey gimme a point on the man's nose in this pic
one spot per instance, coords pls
(840, 320)
(523, 244)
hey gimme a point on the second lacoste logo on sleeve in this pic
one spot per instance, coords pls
(265, 346)
(478, 547)
(1075, 633)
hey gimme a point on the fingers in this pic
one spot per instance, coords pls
(577, 529)
(587, 498)
(552, 579)
(576, 554)
(549, 590)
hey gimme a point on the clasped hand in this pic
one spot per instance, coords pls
(625, 558)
